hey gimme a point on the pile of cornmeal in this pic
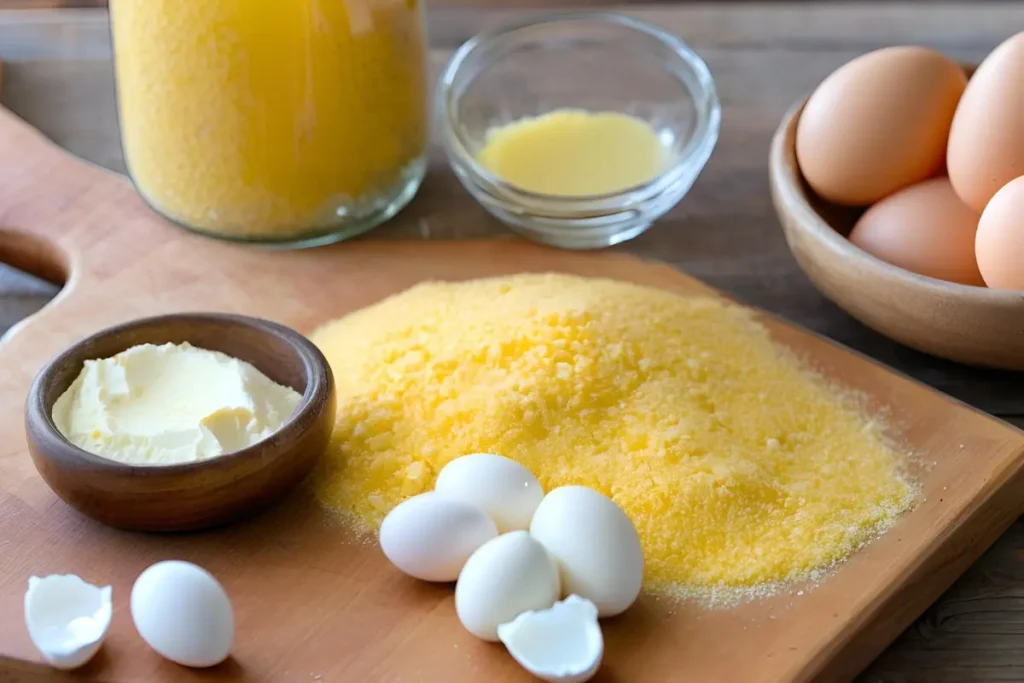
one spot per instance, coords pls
(739, 467)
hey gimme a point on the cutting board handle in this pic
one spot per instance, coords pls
(56, 210)
(31, 254)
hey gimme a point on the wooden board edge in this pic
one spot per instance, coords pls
(936, 570)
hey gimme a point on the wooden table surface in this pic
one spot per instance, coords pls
(764, 56)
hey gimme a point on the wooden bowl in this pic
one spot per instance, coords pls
(199, 494)
(972, 325)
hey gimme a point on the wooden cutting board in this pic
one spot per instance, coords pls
(313, 606)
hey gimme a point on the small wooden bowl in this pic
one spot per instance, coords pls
(972, 325)
(193, 495)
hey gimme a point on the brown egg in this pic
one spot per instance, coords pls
(878, 124)
(986, 141)
(1000, 240)
(925, 229)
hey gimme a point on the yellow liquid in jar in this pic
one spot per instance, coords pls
(269, 119)
(571, 153)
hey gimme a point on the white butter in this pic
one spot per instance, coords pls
(173, 403)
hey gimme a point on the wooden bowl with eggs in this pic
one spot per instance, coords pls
(968, 324)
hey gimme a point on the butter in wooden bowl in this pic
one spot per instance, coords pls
(739, 467)
(171, 403)
(180, 422)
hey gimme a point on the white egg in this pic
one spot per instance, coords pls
(562, 644)
(595, 544)
(430, 536)
(505, 577)
(183, 613)
(499, 486)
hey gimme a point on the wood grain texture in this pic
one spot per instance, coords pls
(125, 262)
(764, 57)
(198, 495)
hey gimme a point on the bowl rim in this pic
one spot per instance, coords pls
(58, 448)
(787, 180)
(695, 152)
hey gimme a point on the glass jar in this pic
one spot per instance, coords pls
(296, 122)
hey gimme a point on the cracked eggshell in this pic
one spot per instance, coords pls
(505, 577)
(562, 644)
(67, 618)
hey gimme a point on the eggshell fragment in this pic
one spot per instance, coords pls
(505, 577)
(986, 141)
(67, 618)
(878, 123)
(595, 544)
(430, 536)
(925, 229)
(562, 644)
(1000, 240)
(508, 492)
(183, 613)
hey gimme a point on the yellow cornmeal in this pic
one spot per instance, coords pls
(260, 119)
(738, 467)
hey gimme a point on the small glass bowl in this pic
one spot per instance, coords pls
(594, 61)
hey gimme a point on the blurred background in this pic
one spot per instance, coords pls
(40, 4)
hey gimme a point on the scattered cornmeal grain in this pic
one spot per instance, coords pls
(740, 468)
